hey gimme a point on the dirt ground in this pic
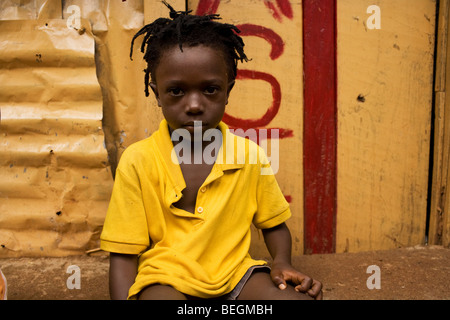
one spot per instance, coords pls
(417, 273)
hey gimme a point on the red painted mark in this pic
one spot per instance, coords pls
(207, 7)
(269, 4)
(281, 133)
(267, 34)
(270, 113)
(286, 8)
(277, 49)
(211, 6)
(283, 5)
(319, 34)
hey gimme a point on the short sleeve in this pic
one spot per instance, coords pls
(125, 229)
(273, 209)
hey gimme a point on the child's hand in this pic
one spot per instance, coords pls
(283, 273)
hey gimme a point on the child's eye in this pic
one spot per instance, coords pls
(211, 90)
(176, 92)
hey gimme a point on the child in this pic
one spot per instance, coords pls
(181, 229)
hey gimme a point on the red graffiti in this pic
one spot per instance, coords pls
(277, 8)
(271, 112)
(282, 133)
(282, 5)
(267, 34)
(238, 123)
(207, 7)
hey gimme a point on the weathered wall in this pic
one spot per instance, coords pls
(384, 135)
(55, 180)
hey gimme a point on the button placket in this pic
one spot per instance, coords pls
(200, 209)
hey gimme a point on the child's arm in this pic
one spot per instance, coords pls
(122, 273)
(278, 242)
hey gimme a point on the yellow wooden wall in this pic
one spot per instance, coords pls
(384, 136)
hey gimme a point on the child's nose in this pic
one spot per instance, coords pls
(194, 103)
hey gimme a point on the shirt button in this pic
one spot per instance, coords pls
(200, 210)
(203, 190)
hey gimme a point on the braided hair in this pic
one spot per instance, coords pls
(188, 30)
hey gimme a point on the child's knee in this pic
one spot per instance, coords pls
(160, 292)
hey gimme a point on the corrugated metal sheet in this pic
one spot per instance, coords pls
(55, 180)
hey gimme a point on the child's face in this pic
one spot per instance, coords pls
(192, 85)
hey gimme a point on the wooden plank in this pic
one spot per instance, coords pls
(319, 36)
(385, 89)
(438, 219)
(441, 46)
(445, 181)
(446, 214)
(435, 223)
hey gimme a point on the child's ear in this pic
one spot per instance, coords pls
(230, 87)
(156, 92)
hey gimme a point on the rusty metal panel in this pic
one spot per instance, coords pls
(55, 179)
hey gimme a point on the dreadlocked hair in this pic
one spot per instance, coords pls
(188, 30)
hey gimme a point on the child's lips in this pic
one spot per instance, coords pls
(196, 124)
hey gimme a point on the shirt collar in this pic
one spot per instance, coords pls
(229, 156)
(177, 183)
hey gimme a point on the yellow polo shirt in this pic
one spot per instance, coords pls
(202, 254)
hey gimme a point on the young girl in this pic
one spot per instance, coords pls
(181, 229)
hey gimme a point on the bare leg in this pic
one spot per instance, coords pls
(160, 292)
(260, 287)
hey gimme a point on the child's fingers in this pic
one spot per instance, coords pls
(319, 296)
(316, 290)
(304, 285)
(279, 281)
